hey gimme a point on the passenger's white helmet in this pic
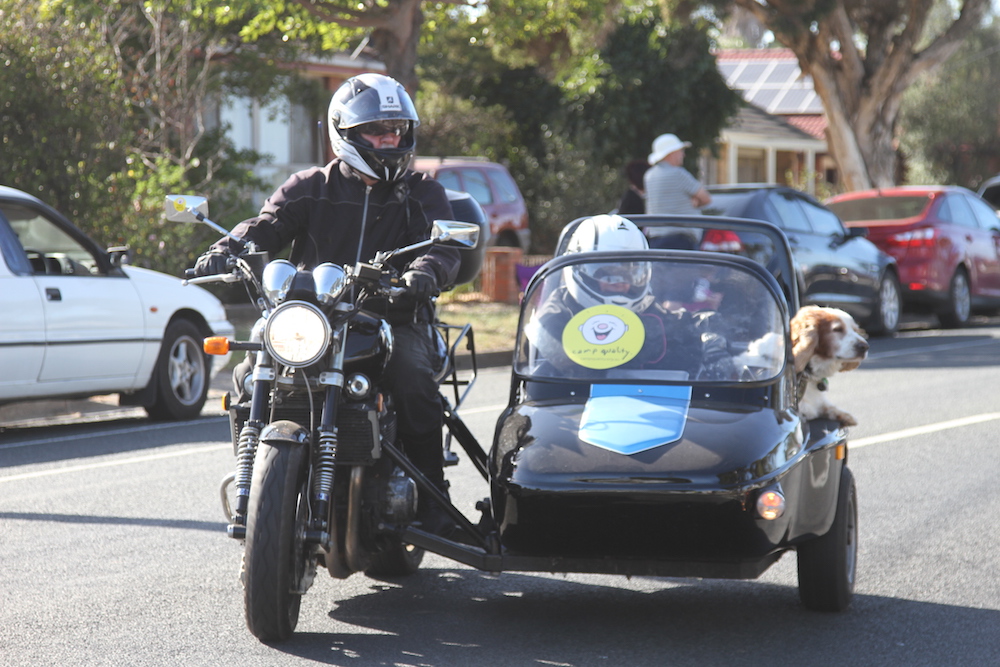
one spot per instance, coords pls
(618, 283)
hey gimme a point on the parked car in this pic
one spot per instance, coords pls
(77, 322)
(946, 241)
(837, 266)
(493, 187)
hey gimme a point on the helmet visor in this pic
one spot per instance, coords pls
(616, 278)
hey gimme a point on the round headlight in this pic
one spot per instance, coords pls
(770, 505)
(297, 334)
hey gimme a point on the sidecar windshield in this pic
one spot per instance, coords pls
(652, 316)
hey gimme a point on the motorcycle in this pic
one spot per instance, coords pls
(320, 479)
(665, 442)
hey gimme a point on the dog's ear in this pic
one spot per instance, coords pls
(805, 337)
(849, 365)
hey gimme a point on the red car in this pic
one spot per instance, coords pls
(493, 187)
(946, 241)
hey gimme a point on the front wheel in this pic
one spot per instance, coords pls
(275, 559)
(828, 564)
(181, 374)
(958, 309)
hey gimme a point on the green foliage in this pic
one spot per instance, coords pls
(62, 114)
(948, 122)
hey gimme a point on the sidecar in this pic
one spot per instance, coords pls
(668, 441)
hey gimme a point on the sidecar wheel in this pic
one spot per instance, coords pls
(275, 558)
(181, 374)
(828, 564)
(400, 560)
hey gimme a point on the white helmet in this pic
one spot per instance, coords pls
(618, 283)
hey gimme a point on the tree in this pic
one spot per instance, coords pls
(949, 121)
(862, 56)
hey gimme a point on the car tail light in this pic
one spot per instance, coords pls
(721, 240)
(917, 238)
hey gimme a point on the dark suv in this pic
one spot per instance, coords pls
(492, 186)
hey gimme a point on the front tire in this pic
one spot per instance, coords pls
(828, 565)
(959, 307)
(181, 374)
(274, 557)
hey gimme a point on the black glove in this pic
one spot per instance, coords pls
(211, 263)
(420, 285)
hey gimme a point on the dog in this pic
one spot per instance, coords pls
(825, 341)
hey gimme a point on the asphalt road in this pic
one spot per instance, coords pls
(114, 553)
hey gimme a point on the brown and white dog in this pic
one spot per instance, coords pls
(825, 341)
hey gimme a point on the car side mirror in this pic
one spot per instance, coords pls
(120, 255)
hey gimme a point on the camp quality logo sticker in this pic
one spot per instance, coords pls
(603, 337)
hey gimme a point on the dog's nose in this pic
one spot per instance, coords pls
(861, 347)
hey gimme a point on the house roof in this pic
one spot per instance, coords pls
(770, 79)
(753, 122)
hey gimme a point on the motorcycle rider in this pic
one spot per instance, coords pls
(364, 201)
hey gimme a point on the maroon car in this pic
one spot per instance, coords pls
(946, 241)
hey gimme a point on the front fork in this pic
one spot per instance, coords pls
(324, 461)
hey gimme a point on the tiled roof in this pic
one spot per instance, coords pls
(812, 124)
(753, 120)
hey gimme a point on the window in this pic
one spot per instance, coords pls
(450, 180)
(790, 213)
(49, 249)
(958, 211)
(477, 186)
(823, 221)
(985, 214)
(505, 186)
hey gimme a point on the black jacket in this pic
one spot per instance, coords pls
(328, 214)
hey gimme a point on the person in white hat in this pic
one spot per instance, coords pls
(671, 189)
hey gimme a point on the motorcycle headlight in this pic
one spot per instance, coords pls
(297, 334)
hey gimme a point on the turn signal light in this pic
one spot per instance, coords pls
(770, 505)
(216, 345)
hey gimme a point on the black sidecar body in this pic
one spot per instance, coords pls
(664, 438)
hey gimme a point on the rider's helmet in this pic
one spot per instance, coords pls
(382, 102)
(618, 283)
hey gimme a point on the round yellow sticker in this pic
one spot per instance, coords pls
(179, 204)
(603, 337)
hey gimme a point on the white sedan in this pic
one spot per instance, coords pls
(77, 322)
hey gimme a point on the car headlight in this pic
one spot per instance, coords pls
(297, 334)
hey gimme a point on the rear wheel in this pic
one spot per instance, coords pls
(958, 309)
(828, 564)
(885, 319)
(275, 558)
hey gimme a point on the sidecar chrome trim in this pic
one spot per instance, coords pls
(332, 378)
(628, 419)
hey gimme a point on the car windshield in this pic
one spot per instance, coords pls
(657, 320)
(880, 208)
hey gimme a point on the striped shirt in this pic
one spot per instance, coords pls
(669, 190)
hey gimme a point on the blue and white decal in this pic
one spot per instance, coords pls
(629, 419)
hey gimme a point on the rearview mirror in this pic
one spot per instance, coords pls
(453, 232)
(185, 208)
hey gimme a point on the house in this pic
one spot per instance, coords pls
(294, 137)
(780, 137)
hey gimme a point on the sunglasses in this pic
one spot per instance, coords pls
(383, 127)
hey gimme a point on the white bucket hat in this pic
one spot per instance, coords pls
(664, 145)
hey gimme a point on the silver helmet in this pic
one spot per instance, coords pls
(373, 104)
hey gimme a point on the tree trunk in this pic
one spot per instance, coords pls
(862, 90)
(396, 42)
